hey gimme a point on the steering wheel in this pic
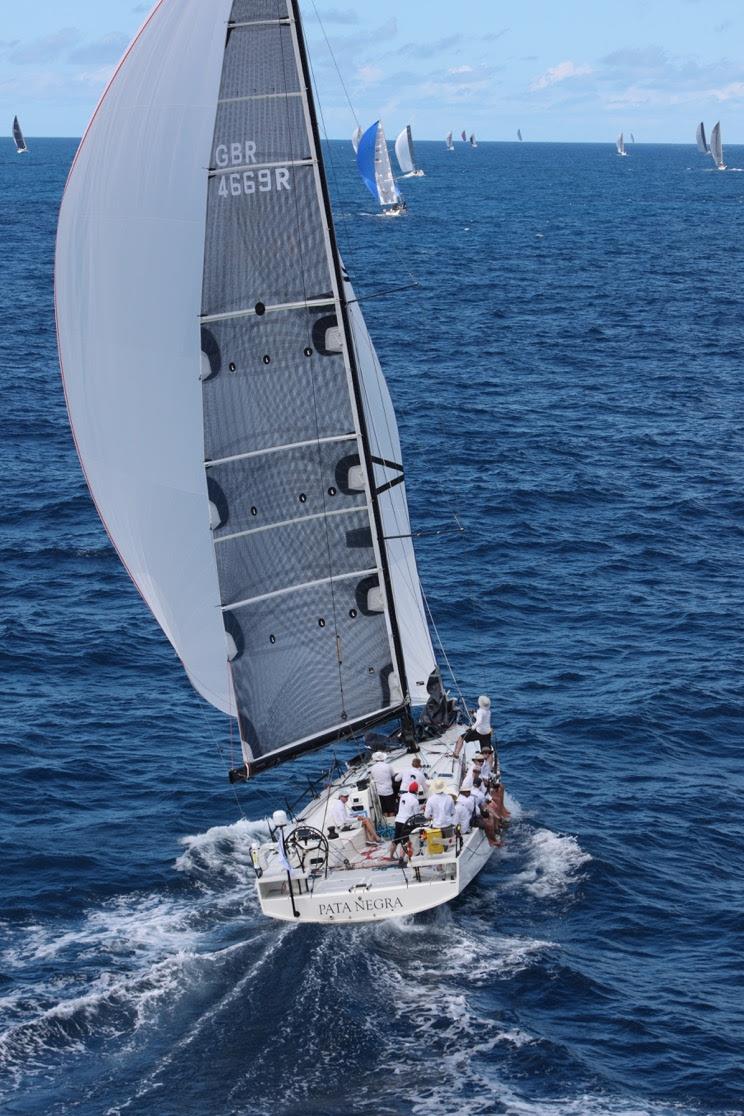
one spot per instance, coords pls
(302, 843)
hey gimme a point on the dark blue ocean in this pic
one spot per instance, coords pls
(566, 363)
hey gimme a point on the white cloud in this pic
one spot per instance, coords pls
(732, 92)
(556, 74)
(370, 74)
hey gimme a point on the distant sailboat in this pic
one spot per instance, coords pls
(620, 144)
(519, 134)
(701, 140)
(716, 147)
(632, 138)
(464, 136)
(374, 165)
(405, 154)
(355, 139)
(450, 144)
(473, 141)
(20, 142)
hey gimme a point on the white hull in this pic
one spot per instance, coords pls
(361, 884)
(414, 174)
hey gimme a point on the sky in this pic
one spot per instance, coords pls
(561, 70)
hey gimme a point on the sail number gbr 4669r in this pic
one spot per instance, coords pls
(246, 180)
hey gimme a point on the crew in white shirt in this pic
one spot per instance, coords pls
(464, 809)
(414, 773)
(339, 816)
(481, 727)
(407, 807)
(475, 771)
(439, 806)
(382, 774)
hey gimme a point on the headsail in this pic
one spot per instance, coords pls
(404, 151)
(716, 147)
(357, 135)
(450, 144)
(18, 137)
(701, 140)
(374, 165)
(464, 136)
(251, 504)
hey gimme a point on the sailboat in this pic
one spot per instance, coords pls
(240, 444)
(464, 136)
(519, 134)
(702, 142)
(20, 142)
(473, 141)
(405, 154)
(356, 136)
(448, 141)
(376, 170)
(716, 147)
(632, 138)
(620, 145)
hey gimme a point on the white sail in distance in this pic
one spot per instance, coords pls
(201, 305)
(519, 134)
(448, 141)
(716, 147)
(405, 154)
(473, 141)
(356, 136)
(620, 145)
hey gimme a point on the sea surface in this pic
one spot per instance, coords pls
(563, 334)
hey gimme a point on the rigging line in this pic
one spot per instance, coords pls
(335, 63)
(415, 286)
(446, 659)
(201, 703)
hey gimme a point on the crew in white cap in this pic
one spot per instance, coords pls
(340, 817)
(382, 775)
(439, 806)
(480, 730)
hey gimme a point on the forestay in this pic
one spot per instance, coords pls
(235, 485)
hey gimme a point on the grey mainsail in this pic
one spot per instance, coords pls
(716, 146)
(702, 143)
(303, 572)
(18, 137)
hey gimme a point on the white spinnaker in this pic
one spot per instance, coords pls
(382, 427)
(130, 250)
(403, 151)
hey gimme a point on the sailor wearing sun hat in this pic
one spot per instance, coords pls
(382, 775)
(439, 806)
(480, 729)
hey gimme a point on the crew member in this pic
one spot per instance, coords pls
(340, 817)
(480, 730)
(407, 807)
(439, 805)
(382, 775)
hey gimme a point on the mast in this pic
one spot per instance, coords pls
(407, 720)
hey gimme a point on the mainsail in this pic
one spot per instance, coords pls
(227, 404)
(473, 141)
(701, 140)
(464, 136)
(404, 151)
(18, 137)
(716, 147)
(375, 168)
(620, 144)
(519, 134)
(450, 144)
(355, 139)
(632, 138)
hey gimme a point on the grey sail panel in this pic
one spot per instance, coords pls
(299, 564)
(18, 135)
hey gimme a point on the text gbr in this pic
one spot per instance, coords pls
(235, 183)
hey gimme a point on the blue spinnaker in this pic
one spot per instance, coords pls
(366, 159)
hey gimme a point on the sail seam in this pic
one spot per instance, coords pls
(215, 171)
(357, 509)
(306, 304)
(297, 588)
(278, 449)
(283, 22)
(257, 97)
